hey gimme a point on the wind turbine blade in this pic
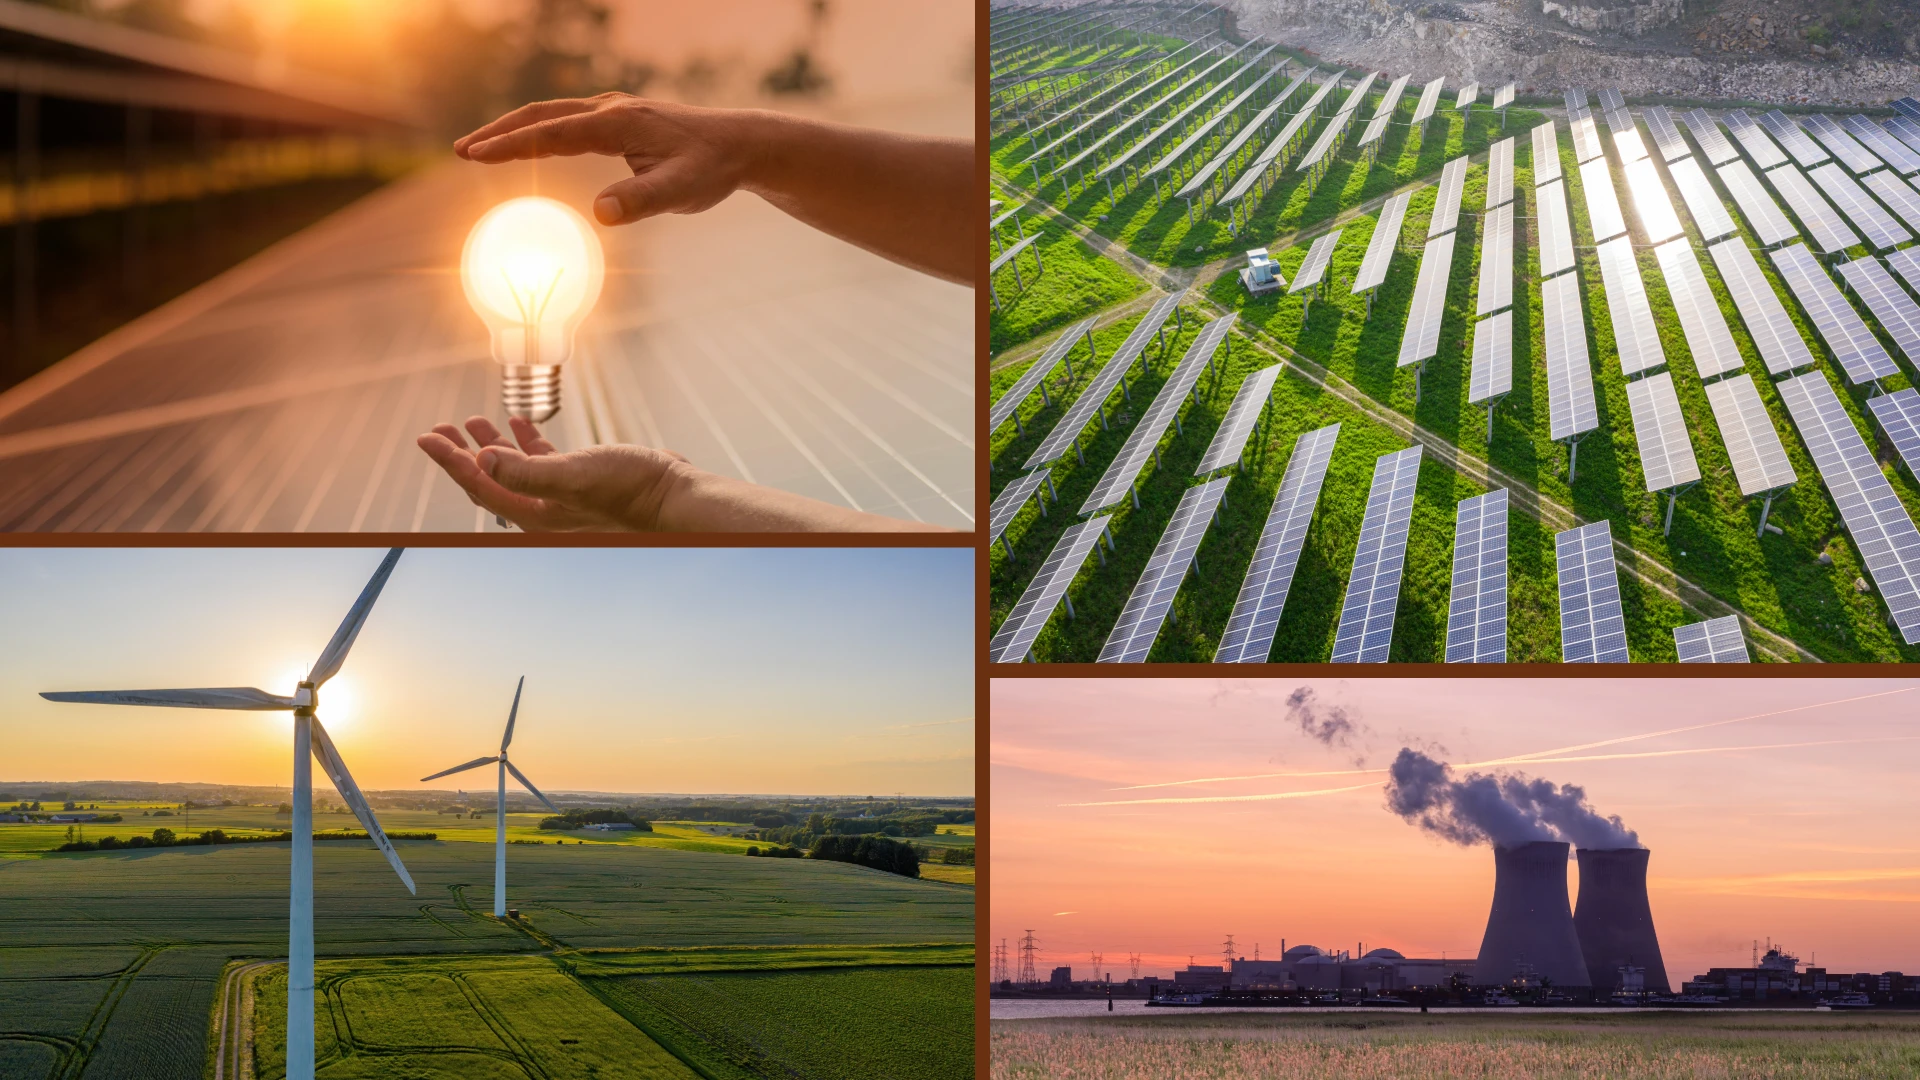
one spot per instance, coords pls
(474, 764)
(215, 697)
(515, 711)
(331, 761)
(528, 784)
(335, 653)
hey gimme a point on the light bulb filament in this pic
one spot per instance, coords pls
(532, 307)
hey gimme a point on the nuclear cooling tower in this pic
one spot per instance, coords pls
(1614, 922)
(1531, 922)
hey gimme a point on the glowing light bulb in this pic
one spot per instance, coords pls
(532, 269)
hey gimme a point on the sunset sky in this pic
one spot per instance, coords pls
(1812, 845)
(648, 670)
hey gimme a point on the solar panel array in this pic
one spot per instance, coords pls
(1753, 446)
(1592, 629)
(1708, 338)
(1009, 254)
(1635, 335)
(1628, 144)
(1469, 94)
(1380, 246)
(1500, 173)
(1392, 97)
(1429, 97)
(1772, 329)
(1252, 127)
(1878, 523)
(1906, 263)
(1230, 438)
(1878, 226)
(1666, 454)
(1650, 201)
(1115, 108)
(1120, 475)
(1792, 139)
(1898, 155)
(1140, 620)
(1665, 135)
(1906, 106)
(1324, 144)
(1889, 303)
(1205, 128)
(1899, 416)
(1586, 139)
(1314, 267)
(1359, 92)
(1492, 374)
(1006, 506)
(1546, 154)
(1898, 194)
(1713, 143)
(1102, 385)
(1300, 121)
(1703, 203)
(1422, 336)
(1715, 641)
(1446, 203)
(1373, 591)
(1014, 639)
(1762, 150)
(1570, 400)
(1375, 129)
(1762, 213)
(1844, 147)
(1853, 345)
(1556, 231)
(1503, 97)
(1905, 129)
(1127, 124)
(1248, 638)
(1823, 226)
(1477, 606)
(1119, 161)
(1496, 260)
(1576, 99)
(1030, 379)
(1603, 206)
(1610, 99)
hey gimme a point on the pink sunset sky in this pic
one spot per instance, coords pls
(1143, 815)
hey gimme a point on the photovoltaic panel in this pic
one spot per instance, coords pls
(1380, 247)
(1477, 606)
(1012, 641)
(1392, 97)
(1881, 231)
(1300, 121)
(1703, 203)
(1007, 255)
(1576, 99)
(1007, 505)
(1715, 641)
(1822, 225)
(1103, 383)
(1763, 215)
(1359, 92)
(1120, 475)
(1610, 99)
(1314, 267)
(1635, 335)
(1375, 129)
(1761, 150)
(1592, 629)
(1205, 128)
(1628, 144)
(1666, 454)
(1263, 594)
(1899, 416)
(1906, 263)
(1650, 201)
(1180, 116)
(1503, 97)
(1492, 375)
(1204, 176)
(1898, 155)
(1844, 147)
(1708, 338)
(1546, 154)
(1792, 139)
(1324, 144)
(1496, 260)
(1446, 203)
(1898, 194)
(1570, 400)
(1128, 124)
(1841, 327)
(1889, 303)
(1556, 231)
(1115, 108)
(1906, 106)
(1878, 523)
(1713, 142)
(1500, 173)
(1230, 438)
(1904, 128)
(1772, 329)
(1586, 139)
(1132, 637)
(1665, 135)
(1603, 206)
(1422, 337)
(1469, 94)
(1429, 97)
(1753, 446)
(1373, 591)
(1029, 381)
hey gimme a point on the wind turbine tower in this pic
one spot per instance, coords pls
(500, 826)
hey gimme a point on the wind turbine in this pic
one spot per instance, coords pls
(309, 738)
(500, 828)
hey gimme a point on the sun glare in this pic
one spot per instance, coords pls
(339, 699)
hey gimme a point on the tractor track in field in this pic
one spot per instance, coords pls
(233, 1051)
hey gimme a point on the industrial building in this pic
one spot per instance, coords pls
(1777, 977)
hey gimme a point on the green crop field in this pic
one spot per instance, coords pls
(111, 962)
(1240, 1046)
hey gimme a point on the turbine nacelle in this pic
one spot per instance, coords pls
(304, 698)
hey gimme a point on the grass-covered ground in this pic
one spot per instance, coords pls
(1241, 1046)
(1073, 282)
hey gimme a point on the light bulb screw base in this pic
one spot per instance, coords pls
(530, 391)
